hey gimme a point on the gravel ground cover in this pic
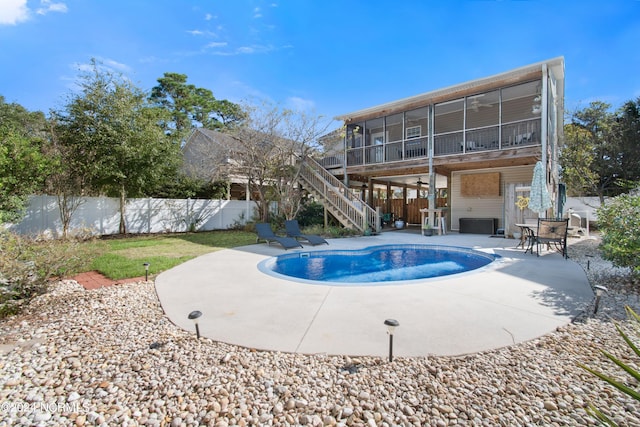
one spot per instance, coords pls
(110, 357)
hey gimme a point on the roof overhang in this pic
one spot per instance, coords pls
(556, 65)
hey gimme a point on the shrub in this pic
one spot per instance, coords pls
(311, 213)
(27, 266)
(629, 369)
(331, 231)
(619, 223)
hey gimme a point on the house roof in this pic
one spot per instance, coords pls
(556, 65)
(213, 136)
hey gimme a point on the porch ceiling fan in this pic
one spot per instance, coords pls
(475, 103)
(419, 182)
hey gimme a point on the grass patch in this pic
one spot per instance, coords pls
(122, 258)
(117, 267)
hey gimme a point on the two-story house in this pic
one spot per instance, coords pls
(469, 148)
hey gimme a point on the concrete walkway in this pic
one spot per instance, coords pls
(514, 299)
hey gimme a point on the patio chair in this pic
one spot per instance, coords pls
(266, 233)
(293, 230)
(386, 219)
(552, 232)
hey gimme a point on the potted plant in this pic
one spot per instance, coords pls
(427, 229)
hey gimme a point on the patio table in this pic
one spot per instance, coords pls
(528, 235)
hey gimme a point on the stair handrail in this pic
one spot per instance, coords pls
(338, 195)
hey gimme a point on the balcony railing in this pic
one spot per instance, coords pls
(449, 143)
(521, 133)
(515, 134)
(332, 162)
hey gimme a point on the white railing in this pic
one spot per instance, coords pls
(338, 197)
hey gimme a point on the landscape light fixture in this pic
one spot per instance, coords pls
(194, 316)
(599, 291)
(392, 324)
(146, 271)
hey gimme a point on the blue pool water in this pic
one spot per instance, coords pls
(378, 264)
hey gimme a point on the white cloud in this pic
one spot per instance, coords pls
(245, 50)
(103, 64)
(257, 13)
(296, 103)
(13, 12)
(48, 6)
(202, 33)
(115, 65)
(217, 44)
(208, 17)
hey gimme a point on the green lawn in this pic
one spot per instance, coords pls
(122, 258)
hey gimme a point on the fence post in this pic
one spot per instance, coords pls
(149, 215)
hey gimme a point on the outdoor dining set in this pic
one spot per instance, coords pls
(549, 232)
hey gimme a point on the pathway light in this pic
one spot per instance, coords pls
(146, 271)
(600, 290)
(392, 324)
(194, 315)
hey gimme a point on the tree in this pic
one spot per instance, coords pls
(601, 152)
(628, 133)
(113, 134)
(191, 106)
(267, 149)
(23, 167)
(67, 180)
(591, 134)
(576, 159)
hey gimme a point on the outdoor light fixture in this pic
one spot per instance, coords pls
(146, 271)
(194, 316)
(392, 324)
(599, 291)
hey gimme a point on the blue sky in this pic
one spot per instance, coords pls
(326, 57)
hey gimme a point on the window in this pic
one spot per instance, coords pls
(394, 127)
(518, 102)
(373, 128)
(449, 116)
(354, 135)
(413, 132)
(483, 110)
(417, 118)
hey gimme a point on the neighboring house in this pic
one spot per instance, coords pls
(470, 147)
(207, 155)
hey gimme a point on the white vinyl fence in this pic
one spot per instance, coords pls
(101, 216)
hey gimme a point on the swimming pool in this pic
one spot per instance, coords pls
(384, 264)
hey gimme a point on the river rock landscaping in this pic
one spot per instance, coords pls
(110, 357)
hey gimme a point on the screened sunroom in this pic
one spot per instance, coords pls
(499, 119)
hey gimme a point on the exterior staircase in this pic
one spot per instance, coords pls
(337, 198)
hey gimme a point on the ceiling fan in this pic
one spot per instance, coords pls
(419, 183)
(475, 103)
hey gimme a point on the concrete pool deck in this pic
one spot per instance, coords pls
(515, 299)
